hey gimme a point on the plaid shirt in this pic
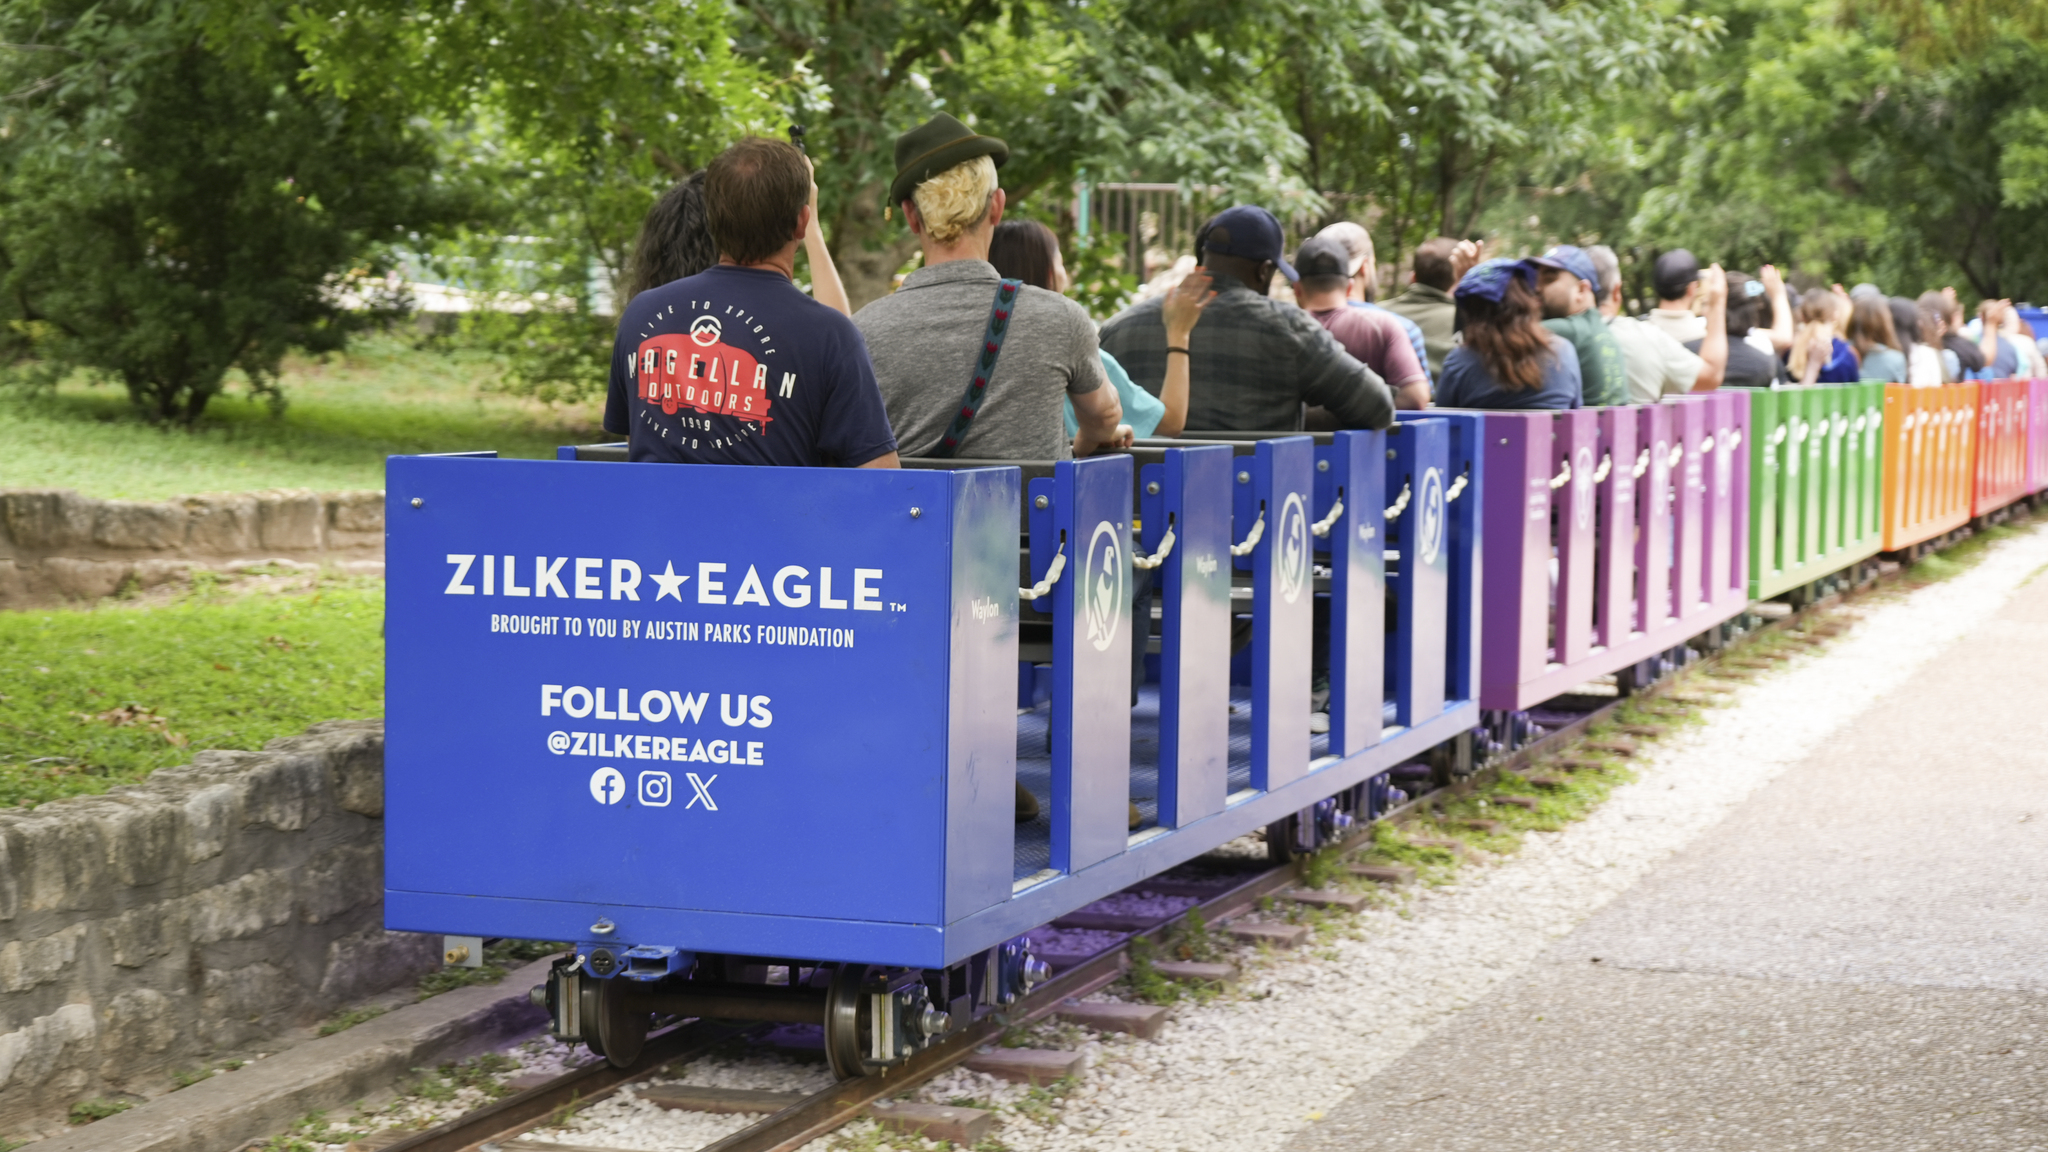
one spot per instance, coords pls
(1253, 364)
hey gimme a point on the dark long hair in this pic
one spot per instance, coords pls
(1870, 324)
(675, 240)
(1024, 250)
(1508, 337)
(1905, 322)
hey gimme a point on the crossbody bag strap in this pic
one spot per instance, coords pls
(984, 368)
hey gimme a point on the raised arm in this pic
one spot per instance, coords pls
(826, 288)
(1181, 310)
(1781, 307)
(1714, 348)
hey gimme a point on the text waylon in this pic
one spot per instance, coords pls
(602, 578)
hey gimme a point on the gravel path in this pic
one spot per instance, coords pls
(1251, 1070)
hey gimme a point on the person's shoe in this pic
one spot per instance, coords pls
(1318, 723)
(1137, 817)
(1027, 805)
(1319, 695)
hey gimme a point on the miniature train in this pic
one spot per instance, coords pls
(775, 723)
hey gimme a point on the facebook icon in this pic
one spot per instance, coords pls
(607, 786)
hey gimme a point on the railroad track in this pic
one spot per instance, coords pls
(790, 1121)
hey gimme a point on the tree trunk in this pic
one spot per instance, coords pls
(867, 248)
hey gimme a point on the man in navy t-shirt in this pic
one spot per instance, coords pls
(735, 365)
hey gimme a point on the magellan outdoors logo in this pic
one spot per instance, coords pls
(701, 372)
(1431, 530)
(1102, 590)
(1294, 548)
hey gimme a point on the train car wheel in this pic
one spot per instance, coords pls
(847, 1021)
(587, 1013)
(621, 1023)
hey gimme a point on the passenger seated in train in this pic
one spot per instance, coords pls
(1255, 363)
(1508, 359)
(1027, 250)
(1373, 336)
(969, 365)
(687, 388)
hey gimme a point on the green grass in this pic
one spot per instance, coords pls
(344, 1021)
(345, 415)
(87, 1111)
(91, 698)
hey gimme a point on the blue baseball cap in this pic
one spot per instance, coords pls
(1247, 232)
(1489, 279)
(1572, 259)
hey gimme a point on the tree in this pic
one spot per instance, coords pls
(172, 206)
(571, 117)
(1430, 111)
(1854, 143)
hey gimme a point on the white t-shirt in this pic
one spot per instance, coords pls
(1679, 323)
(1923, 366)
(1657, 364)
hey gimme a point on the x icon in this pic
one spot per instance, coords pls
(703, 789)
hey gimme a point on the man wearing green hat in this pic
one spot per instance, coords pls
(972, 366)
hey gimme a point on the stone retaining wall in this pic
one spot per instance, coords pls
(57, 545)
(209, 907)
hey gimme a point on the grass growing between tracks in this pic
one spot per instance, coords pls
(1961, 557)
(345, 414)
(94, 697)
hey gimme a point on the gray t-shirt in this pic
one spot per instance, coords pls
(925, 338)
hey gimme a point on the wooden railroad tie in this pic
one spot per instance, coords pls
(1196, 971)
(1384, 873)
(963, 1126)
(1348, 901)
(1480, 824)
(1651, 731)
(1547, 782)
(1274, 935)
(1032, 1066)
(1577, 764)
(718, 1101)
(1140, 1020)
(1615, 745)
(1525, 802)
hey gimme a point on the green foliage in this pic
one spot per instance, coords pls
(174, 205)
(104, 697)
(570, 119)
(343, 1021)
(98, 1108)
(1840, 145)
(349, 411)
(188, 1078)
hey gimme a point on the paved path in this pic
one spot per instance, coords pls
(1857, 958)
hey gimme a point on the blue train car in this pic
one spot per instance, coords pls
(749, 719)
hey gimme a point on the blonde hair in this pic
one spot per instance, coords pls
(956, 199)
(1817, 313)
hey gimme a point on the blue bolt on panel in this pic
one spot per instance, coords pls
(718, 711)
